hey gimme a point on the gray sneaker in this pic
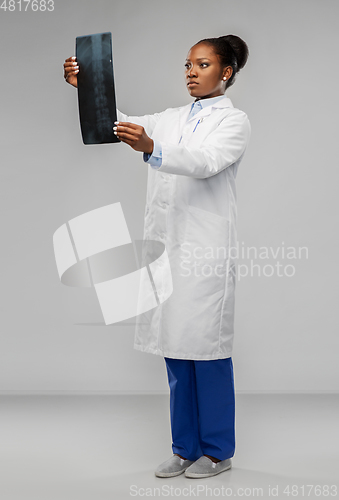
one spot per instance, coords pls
(205, 467)
(174, 466)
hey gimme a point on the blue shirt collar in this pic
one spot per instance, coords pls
(208, 102)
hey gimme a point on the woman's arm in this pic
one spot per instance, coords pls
(222, 147)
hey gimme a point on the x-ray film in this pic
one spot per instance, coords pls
(96, 94)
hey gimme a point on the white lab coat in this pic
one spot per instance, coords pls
(191, 208)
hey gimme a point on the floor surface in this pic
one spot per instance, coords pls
(106, 447)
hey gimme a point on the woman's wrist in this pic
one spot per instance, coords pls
(150, 148)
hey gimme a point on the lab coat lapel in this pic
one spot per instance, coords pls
(184, 132)
(184, 111)
(222, 103)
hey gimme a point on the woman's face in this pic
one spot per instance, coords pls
(203, 72)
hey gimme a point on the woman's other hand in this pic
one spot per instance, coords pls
(71, 70)
(134, 135)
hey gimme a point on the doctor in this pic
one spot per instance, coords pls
(193, 153)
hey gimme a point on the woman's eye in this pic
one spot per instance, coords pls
(203, 64)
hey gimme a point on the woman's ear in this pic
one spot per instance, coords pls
(227, 73)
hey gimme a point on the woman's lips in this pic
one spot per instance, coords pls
(190, 84)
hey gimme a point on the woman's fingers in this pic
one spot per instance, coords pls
(125, 135)
(123, 128)
(127, 124)
(127, 130)
(122, 125)
(71, 65)
(71, 62)
(127, 141)
(134, 135)
(71, 69)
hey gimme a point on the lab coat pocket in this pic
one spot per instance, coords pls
(206, 240)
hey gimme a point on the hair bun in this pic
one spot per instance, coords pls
(239, 48)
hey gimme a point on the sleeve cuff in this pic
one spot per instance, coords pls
(155, 159)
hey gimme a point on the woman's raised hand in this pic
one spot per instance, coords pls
(71, 70)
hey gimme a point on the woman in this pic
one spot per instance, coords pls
(193, 154)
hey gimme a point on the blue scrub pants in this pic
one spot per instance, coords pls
(202, 407)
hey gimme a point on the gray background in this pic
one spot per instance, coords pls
(286, 328)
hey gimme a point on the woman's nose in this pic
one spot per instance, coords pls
(191, 71)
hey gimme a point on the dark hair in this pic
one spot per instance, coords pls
(232, 51)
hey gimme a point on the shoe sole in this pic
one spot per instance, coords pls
(169, 474)
(196, 475)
